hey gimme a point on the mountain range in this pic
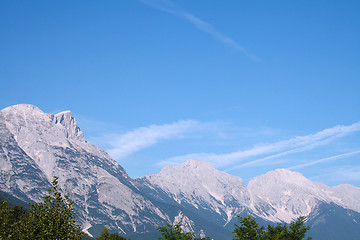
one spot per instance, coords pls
(35, 146)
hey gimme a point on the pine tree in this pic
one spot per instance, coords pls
(250, 230)
(53, 218)
(106, 235)
(9, 218)
(174, 232)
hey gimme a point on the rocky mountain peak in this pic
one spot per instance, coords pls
(66, 119)
(280, 176)
(20, 110)
(288, 194)
(193, 164)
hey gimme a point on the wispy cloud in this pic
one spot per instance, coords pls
(172, 8)
(133, 141)
(344, 174)
(263, 153)
(324, 160)
(347, 173)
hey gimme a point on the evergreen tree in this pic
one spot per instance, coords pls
(106, 235)
(250, 230)
(294, 231)
(53, 218)
(174, 232)
(9, 218)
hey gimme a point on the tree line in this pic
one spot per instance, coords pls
(54, 218)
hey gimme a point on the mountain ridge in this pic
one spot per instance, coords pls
(90, 177)
(299, 195)
(35, 146)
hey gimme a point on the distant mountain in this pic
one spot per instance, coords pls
(330, 221)
(277, 196)
(200, 187)
(12, 201)
(35, 146)
(287, 195)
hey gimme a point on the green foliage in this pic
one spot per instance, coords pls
(53, 218)
(250, 230)
(106, 235)
(9, 218)
(174, 232)
(295, 231)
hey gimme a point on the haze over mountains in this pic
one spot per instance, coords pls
(35, 146)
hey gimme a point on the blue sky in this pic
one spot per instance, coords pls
(249, 86)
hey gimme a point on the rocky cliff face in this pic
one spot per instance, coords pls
(19, 173)
(199, 186)
(37, 146)
(72, 130)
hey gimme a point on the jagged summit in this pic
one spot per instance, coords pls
(66, 119)
(22, 117)
(281, 175)
(192, 164)
(66, 112)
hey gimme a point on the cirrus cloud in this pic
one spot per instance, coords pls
(172, 8)
(143, 137)
(261, 154)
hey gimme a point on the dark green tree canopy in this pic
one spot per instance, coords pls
(9, 218)
(174, 232)
(106, 235)
(248, 229)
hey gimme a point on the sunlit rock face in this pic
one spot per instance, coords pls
(37, 146)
